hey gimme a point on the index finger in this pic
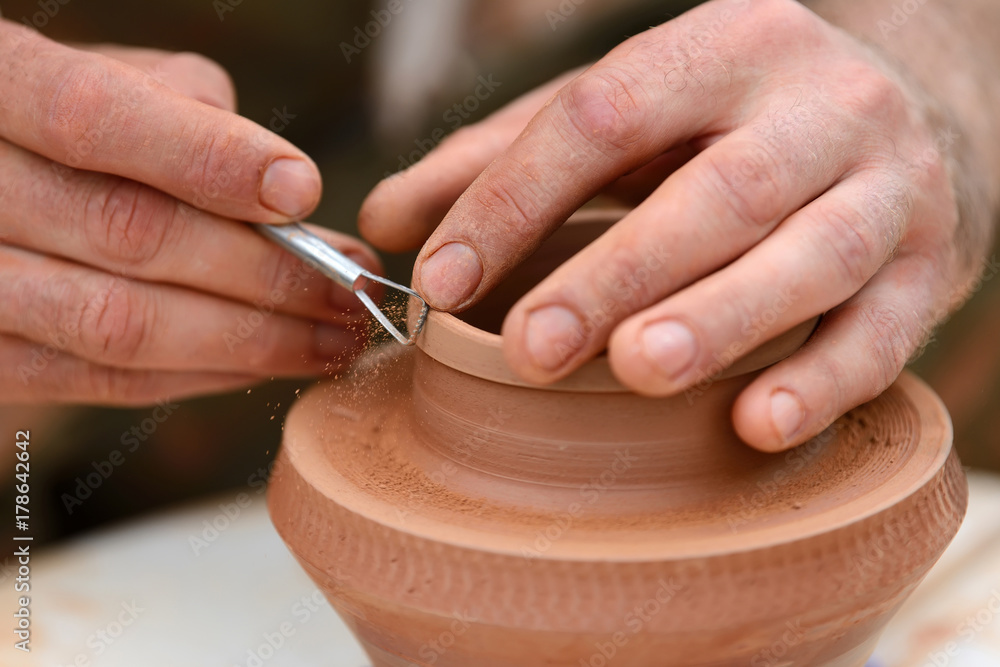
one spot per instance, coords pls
(647, 96)
(88, 111)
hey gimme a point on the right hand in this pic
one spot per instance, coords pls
(125, 276)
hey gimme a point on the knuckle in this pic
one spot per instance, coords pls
(836, 373)
(74, 98)
(115, 322)
(103, 384)
(871, 94)
(748, 182)
(210, 161)
(606, 108)
(857, 251)
(833, 369)
(803, 137)
(126, 222)
(635, 277)
(888, 340)
(517, 205)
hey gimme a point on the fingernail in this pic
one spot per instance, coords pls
(332, 342)
(670, 346)
(552, 335)
(787, 414)
(291, 187)
(450, 276)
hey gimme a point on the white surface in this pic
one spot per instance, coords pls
(217, 607)
(964, 585)
(213, 608)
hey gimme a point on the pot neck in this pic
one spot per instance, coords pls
(562, 437)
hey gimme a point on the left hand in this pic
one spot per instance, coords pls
(785, 170)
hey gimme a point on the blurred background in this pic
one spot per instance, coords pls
(364, 95)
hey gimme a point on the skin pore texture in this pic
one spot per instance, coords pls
(785, 160)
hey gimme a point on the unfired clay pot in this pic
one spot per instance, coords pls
(455, 516)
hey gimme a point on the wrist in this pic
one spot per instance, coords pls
(936, 49)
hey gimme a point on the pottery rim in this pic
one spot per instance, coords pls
(459, 344)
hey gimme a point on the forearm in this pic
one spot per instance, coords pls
(949, 47)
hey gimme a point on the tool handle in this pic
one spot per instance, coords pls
(315, 252)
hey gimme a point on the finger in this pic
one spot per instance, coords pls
(402, 210)
(119, 225)
(815, 260)
(115, 321)
(92, 112)
(702, 218)
(33, 373)
(858, 350)
(643, 98)
(190, 74)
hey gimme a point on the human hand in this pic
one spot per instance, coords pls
(784, 168)
(125, 276)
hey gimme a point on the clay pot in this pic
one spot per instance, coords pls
(456, 516)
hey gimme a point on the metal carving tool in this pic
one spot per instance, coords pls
(316, 252)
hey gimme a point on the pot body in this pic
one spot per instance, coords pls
(445, 533)
(455, 516)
